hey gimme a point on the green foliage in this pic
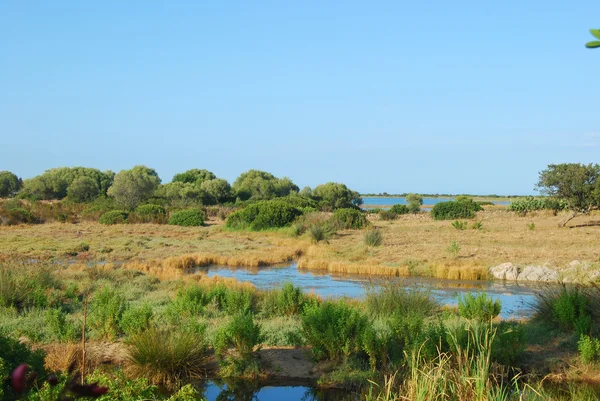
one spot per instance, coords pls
(531, 226)
(414, 202)
(260, 185)
(217, 191)
(60, 326)
(150, 213)
(576, 184)
(479, 307)
(167, 356)
(509, 343)
(571, 311)
(373, 238)
(16, 215)
(132, 187)
(478, 225)
(56, 183)
(387, 215)
(400, 209)
(454, 210)
(334, 195)
(333, 330)
(136, 319)
(182, 192)
(460, 225)
(389, 298)
(12, 354)
(454, 249)
(243, 334)
(531, 204)
(376, 342)
(187, 218)
(349, 219)
(320, 232)
(114, 217)
(263, 215)
(589, 349)
(595, 43)
(10, 184)
(287, 301)
(194, 176)
(25, 287)
(106, 312)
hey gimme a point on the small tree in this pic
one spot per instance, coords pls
(414, 202)
(131, 187)
(333, 195)
(576, 184)
(595, 43)
(83, 189)
(9, 184)
(217, 190)
(195, 176)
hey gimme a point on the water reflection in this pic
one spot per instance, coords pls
(255, 391)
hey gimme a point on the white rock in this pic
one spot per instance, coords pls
(538, 273)
(505, 271)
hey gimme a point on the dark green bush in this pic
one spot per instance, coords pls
(509, 343)
(106, 311)
(243, 335)
(61, 327)
(12, 354)
(480, 307)
(454, 210)
(263, 215)
(333, 329)
(347, 218)
(399, 209)
(114, 217)
(151, 213)
(187, 218)
(571, 311)
(286, 301)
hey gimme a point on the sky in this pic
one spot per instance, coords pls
(385, 96)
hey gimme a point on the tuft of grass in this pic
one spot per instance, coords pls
(531, 226)
(373, 238)
(389, 297)
(454, 249)
(460, 225)
(167, 356)
(478, 225)
(318, 233)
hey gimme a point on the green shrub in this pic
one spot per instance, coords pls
(188, 303)
(459, 225)
(106, 311)
(455, 210)
(373, 238)
(479, 307)
(509, 343)
(389, 298)
(387, 215)
(12, 354)
(531, 226)
(376, 344)
(400, 209)
(17, 215)
(349, 219)
(263, 215)
(454, 249)
(571, 311)
(287, 301)
(333, 330)
(243, 334)
(114, 217)
(282, 331)
(151, 213)
(25, 287)
(136, 319)
(167, 356)
(62, 328)
(187, 218)
(589, 349)
(531, 204)
(319, 232)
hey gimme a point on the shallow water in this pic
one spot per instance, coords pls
(253, 392)
(426, 201)
(515, 297)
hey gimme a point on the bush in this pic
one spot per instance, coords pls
(589, 348)
(287, 301)
(531, 204)
(25, 287)
(17, 215)
(333, 330)
(136, 319)
(399, 209)
(455, 210)
(373, 238)
(168, 356)
(391, 297)
(243, 334)
(570, 311)
(187, 218)
(349, 219)
(387, 215)
(114, 217)
(509, 343)
(263, 215)
(61, 328)
(106, 311)
(12, 354)
(479, 307)
(151, 213)
(319, 232)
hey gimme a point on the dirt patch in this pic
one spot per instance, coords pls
(288, 363)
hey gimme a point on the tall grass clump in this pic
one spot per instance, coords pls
(460, 225)
(333, 330)
(235, 345)
(373, 238)
(106, 311)
(571, 308)
(287, 301)
(319, 233)
(167, 356)
(25, 286)
(479, 307)
(388, 298)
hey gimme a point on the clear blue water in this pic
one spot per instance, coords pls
(257, 392)
(426, 201)
(515, 297)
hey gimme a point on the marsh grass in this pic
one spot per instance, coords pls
(373, 238)
(386, 298)
(167, 356)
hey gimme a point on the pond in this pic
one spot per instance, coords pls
(401, 201)
(515, 297)
(242, 391)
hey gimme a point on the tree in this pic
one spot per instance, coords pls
(333, 195)
(54, 183)
(577, 184)
(217, 190)
(131, 187)
(414, 202)
(256, 185)
(9, 184)
(83, 189)
(195, 176)
(595, 43)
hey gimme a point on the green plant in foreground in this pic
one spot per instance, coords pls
(589, 348)
(595, 43)
(480, 307)
(373, 238)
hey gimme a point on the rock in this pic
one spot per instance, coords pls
(505, 271)
(538, 273)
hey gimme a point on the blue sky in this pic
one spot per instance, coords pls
(447, 97)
